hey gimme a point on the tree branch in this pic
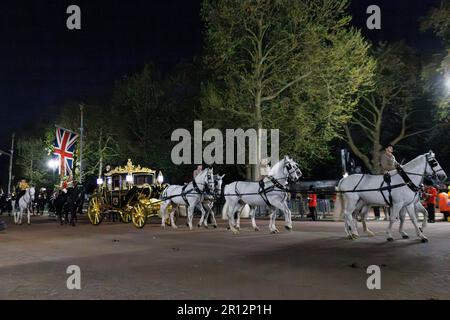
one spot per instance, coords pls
(356, 150)
(287, 86)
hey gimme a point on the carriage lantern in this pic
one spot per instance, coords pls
(160, 178)
(129, 178)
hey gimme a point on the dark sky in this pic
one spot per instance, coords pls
(42, 64)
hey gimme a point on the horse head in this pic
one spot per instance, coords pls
(32, 192)
(206, 178)
(291, 169)
(218, 179)
(433, 168)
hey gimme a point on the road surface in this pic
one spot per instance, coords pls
(314, 261)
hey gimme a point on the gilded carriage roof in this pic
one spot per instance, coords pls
(130, 168)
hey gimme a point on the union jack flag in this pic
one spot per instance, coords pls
(64, 149)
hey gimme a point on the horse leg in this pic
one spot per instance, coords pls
(73, 216)
(418, 207)
(202, 210)
(230, 213)
(253, 216)
(172, 217)
(213, 217)
(412, 215)
(162, 210)
(392, 217)
(190, 215)
(350, 206)
(28, 215)
(238, 217)
(273, 216)
(364, 212)
(287, 216)
(402, 216)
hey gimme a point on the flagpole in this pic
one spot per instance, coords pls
(81, 142)
(11, 155)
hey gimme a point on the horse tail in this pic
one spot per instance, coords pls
(339, 211)
(226, 207)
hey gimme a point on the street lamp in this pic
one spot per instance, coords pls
(53, 164)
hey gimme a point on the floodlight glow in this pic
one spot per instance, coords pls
(447, 82)
(129, 178)
(53, 164)
(99, 181)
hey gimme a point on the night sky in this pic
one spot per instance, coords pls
(43, 64)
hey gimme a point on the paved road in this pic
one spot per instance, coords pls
(314, 261)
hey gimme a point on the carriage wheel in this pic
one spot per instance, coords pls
(139, 215)
(94, 211)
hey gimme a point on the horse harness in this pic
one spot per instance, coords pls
(195, 188)
(404, 175)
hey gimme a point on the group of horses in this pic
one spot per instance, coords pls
(356, 192)
(66, 204)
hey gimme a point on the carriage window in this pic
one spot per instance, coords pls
(116, 183)
(143, 179)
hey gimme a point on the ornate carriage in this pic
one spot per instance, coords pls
(131, 191)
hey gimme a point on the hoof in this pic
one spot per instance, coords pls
(424, 240)
(390, 239)
(236, 232)
(215, 226)
(199, 225)
(371, 234)
(206, 226)
(405, 236)
(256, 229)
(354, 236)
(421, 230)
(288, 228)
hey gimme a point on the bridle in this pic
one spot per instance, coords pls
(292, 168)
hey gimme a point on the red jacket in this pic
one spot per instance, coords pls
(430, 196)
(312, 200)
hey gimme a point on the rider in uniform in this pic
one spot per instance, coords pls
(22, 188)
(388, 163)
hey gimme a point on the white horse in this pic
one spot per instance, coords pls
(208, 203)
(359, 190)
(24, 204)
(271, 191)
(190, 195)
